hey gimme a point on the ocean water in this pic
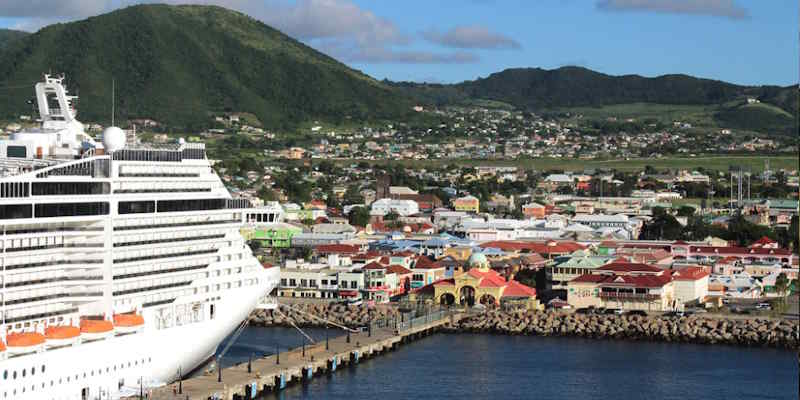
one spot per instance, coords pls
(478, 366)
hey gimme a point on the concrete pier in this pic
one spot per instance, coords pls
(272, 373)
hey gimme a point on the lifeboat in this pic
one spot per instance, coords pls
(92, 329)
(61, 335)
(126, 323)
(24, 342)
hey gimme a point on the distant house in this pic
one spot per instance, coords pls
(467, 203)
(533, 210)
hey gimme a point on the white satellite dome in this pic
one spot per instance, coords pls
(113, 139)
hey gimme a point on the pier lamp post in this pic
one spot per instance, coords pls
(277, 354)
(180, 380)
(369, 320)
(250, 364)
(219, 369)
(327, 344)
(304, 346)
(348, 335)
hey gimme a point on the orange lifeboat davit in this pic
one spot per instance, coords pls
(24, 342)
(96, 328)
(61, 335)
(126, 323)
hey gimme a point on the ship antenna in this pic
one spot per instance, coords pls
(112, 101)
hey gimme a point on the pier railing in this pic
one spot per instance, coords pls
(402, 324)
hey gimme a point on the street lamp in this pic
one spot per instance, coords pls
(327, 344)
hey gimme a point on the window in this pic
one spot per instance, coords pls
(13, 211)
(71, 209)
(69, 188)
(16, 152)
(136, 207)
(283, 281)
(292, 282)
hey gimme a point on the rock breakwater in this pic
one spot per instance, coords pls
(704, 329)
(693, 329)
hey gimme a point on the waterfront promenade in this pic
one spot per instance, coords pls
(275, 372)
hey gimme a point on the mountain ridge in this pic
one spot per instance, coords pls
(178, 64)
(181, 64)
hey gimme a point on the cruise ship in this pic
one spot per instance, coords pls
(122, 265)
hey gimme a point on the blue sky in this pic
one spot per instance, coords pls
(740, 41)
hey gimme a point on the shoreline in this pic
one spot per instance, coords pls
(741, 332)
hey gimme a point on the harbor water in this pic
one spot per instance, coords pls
(479, 366)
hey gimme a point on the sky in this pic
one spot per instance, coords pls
(750, 42)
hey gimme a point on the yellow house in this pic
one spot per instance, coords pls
(467, 203)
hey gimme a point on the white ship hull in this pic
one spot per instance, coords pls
(152, 357)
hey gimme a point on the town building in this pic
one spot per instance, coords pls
(467, 203)
(625, 286)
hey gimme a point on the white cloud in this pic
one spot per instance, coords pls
(471, 37)
(338, 27)
(718, 8)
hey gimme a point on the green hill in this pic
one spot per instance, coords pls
(536, 88)
(7, 36)
(761, 117)
(177, 64)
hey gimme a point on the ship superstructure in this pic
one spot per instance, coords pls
(122, 265)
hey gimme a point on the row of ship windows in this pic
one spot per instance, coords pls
(23, 372)
(16, 245)
(170, 240)
(16, 211)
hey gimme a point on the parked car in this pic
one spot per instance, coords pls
(613, 311)
(763, 306)
(640, 313)
(584, 311)
(726, 301)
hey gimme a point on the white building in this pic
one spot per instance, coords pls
(401, 207)
(691, 284)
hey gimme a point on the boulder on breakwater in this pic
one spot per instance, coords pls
(705, 329)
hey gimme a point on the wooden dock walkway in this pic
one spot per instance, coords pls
(274, 373)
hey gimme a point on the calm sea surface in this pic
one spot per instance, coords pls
(473, 366)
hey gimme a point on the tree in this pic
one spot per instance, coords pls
(391, 216)
(781, 284)
(686, 211)
(359, 216)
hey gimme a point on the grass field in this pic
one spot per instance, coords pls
(755, 163)
(695, 114)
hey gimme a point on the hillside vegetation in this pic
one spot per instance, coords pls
(8, 36)
(177, 64)
(181, 64)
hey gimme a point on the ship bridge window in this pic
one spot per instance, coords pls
(13, 211)
(16, 152)
(136, 207)
(69, 188)
(71, 209)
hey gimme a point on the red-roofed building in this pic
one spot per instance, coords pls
(426, 271)
(382, 282)
(766, 243)
(342, 249)
(479, 284)
(547, 249)
(623, 285)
